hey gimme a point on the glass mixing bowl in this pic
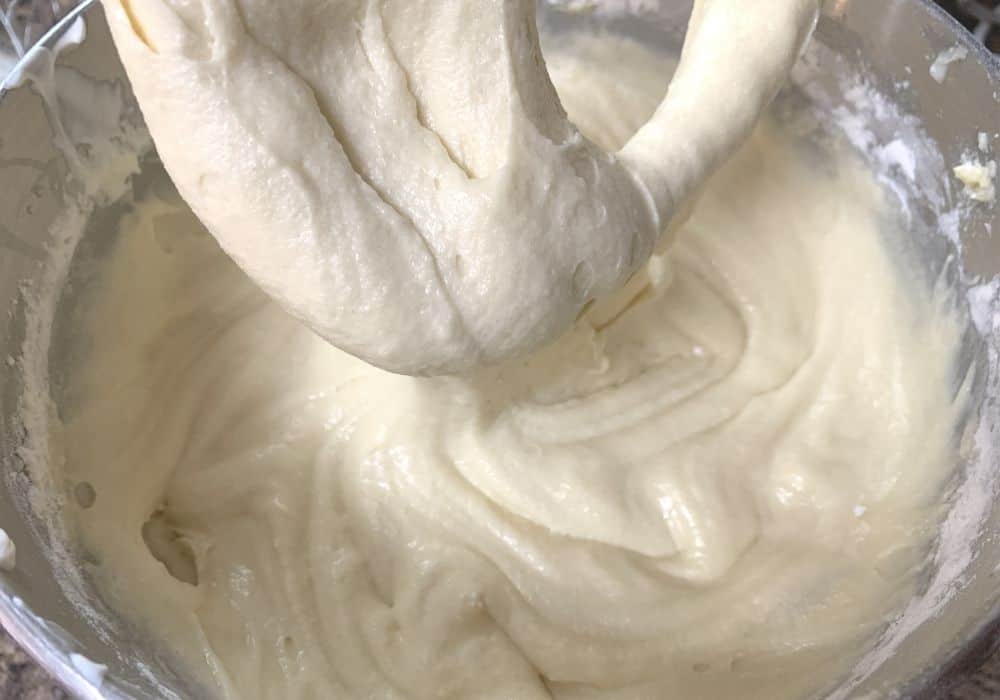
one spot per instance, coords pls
(867, 72)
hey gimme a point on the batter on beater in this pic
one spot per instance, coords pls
(400, 174)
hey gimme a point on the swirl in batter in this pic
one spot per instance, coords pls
(720, 483)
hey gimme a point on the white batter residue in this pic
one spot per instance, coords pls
(722, 482)
(978, 179)
(92, 672)
(942, 62)
(400, 174)
(8, 552)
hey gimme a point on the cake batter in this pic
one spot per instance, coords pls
(400, 174)
(721, 482)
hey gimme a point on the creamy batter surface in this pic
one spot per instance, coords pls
(721, 482)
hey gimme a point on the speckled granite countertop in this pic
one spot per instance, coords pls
(22, 678)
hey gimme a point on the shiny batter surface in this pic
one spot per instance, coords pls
(719, 483)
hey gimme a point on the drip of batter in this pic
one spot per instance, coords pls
(400, 174)
(720, 483)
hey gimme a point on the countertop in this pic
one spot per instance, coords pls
(21, 678)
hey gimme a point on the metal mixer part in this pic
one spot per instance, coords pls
(30, 25)
(25, 22)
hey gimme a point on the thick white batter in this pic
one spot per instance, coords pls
(400, 175)
(720, 483)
